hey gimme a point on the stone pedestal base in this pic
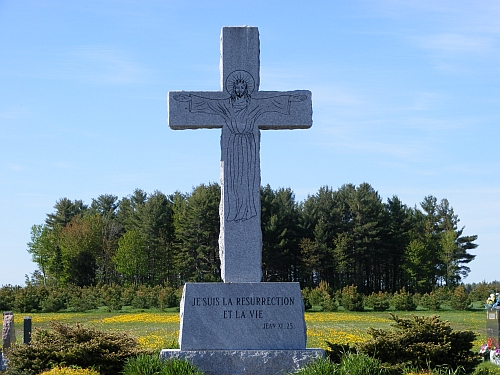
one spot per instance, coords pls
(246, 362)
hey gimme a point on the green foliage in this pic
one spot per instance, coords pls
(422, 342)
(322, 296)
(378, 301)
(70, 371)
(350, 364)
(351, 300)
(196, 224)
(145, 364)
(343, 237)
(131, 257)
(305, 298)
(319, 367)
(72, 298)
(111, 297)
(280, 234)
(336, 352)
(480, 292)
(83, 299)
(430, 301)
(72, 345)
(361, 364)
(29, 299)
(487, 368)
(459, 298)
(8, 296)
(403, 301)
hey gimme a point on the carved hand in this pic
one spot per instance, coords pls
(298, 98)
(182, 97)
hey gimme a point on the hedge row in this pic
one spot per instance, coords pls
(349, 298)
(72, 298)
(33, 298)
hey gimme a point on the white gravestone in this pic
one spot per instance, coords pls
(242, 325)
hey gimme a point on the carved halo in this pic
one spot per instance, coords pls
(240, 75)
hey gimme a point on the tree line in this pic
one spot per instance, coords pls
(347, 236)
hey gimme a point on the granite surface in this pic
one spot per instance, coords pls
(247, 362)
(218, 316)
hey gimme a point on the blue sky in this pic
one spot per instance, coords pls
(406, 97)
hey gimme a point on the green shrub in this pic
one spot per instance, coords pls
(352, 300)
(430, 301)
(29, 299)
(319, 367)
(480, 293)
(167, 297)
(443, 294)
(487, 368)
(111, 296)
(70, 371)
(152, 365)
(305, 297)
(56, 300)
(459, 298)
(145, 297)
(83, 299)
(403, 301)
(422, 343)
(361, 364)
(8, 297)
(66, 345)
(377, 301)
(336, 352)
(322, 296)
(350, 364)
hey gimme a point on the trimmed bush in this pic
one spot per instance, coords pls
(322, 296)
(422, 343)
(351, 300)
(152, 365)
(430, 301)
(377, 301)
(73, 345)
(403, 301)
(459, 298)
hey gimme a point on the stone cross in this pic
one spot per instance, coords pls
(240, 110)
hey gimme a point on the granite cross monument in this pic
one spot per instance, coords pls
(240, 109)
(241, 326)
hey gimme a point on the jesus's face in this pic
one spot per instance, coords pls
(240, 88)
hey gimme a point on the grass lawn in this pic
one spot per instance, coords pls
(160, 330)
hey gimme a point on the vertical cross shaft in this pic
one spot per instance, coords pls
(240, 110)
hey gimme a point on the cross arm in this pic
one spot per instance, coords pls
(195, 109)
(284, 109)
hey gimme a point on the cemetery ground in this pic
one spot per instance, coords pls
(158, 330)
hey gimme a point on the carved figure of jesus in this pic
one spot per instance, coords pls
(240, 112)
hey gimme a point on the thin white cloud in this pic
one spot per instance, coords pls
(15, 167)
(101, 65)
(14, 113)
(455, 43)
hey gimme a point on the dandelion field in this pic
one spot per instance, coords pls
(159, 330)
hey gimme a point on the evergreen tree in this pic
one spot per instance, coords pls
(280, 235)
(196, 221)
